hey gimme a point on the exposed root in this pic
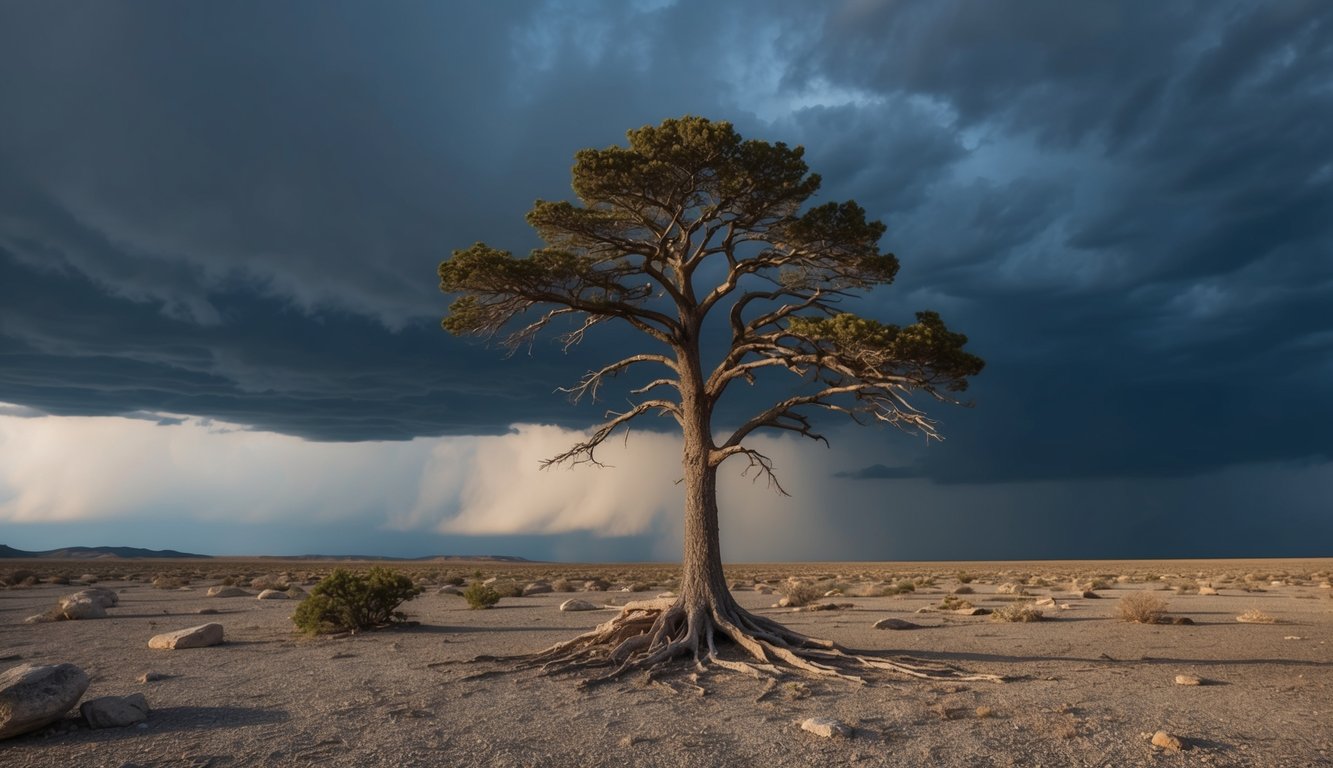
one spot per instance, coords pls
(647, 638)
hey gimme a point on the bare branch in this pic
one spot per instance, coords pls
(593, 380)
(585, 451)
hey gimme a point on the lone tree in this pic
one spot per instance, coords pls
(699, 240)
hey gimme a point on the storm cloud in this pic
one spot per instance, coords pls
(234, 212)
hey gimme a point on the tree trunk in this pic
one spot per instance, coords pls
(703, 585)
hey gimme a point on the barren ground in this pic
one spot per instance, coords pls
(1085, 687)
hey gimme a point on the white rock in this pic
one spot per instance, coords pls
(449, 589)
(826, 727)
(195, 637)
(104, 597)
(223, 590)
(32, 696)
(273, 594)
(895, 624)
(1189, 680)
(1167, 741)
(577, 605)
(115, 711)
(536, 588)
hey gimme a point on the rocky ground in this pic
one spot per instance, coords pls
(1085, 688)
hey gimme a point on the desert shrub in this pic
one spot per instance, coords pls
(170, 582)
(562, 585)
(507, 588)
(480, 595)
(799, 593)
(455, 581)
(1017, 612)
(350, 601)
(16, 577)
(954, 603)
(1141, 608)
(963, 590)
(964, 577)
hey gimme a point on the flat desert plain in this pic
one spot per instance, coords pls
(1083, 687)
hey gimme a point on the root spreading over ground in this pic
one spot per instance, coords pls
(648, 635)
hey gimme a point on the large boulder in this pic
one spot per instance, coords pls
(537, 588)
(107, 598)
(78, 608)
(32, 696)
(201, 636)
(115, 711)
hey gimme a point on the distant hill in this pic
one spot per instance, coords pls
(96, 553)
(424, 559)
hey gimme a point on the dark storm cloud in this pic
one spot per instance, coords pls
(236, 210)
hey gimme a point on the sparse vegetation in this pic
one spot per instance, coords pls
(1255, 616)
(1141, 608)
(347, 600)
(1017, 612)
(799, 593)
(480, 596)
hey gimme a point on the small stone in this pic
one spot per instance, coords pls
(32, 696)
(1293, 637)
(971, 611)
(892, 623)
(826, 727)
(450, 589)
(115, 711)
(1046, 602)
(1167, 741)
(1207, 591)
(201, 636)
(1182, 620)
(273, 594)
(151, 677)
(664, 595)
(575, 604)
(1189, 680)
(207, 611)
(225, 591)
(1089, 594)
(537, 588)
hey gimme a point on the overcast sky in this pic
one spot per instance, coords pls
(220, 225)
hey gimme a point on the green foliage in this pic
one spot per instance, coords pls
(480, 596)
(347, 600)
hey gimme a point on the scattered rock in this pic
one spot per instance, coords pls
(1293, 637)
(274, 594)
(115, 711)
(892, 623)
(763, 589)
(151, 677)
(537, 588)
(223, 590)
(195, 637)
(79, 608)
(575, 604)
(826, 727)
(664, 595)
(971, 611)
(656, 604)
(1182, 620)
(1167, 741)
(1207, 591)
(449, 589)
(1189, 680)
(88, 578)
(1089, 594)
(32, 696)
(207, 611)
(1045, 602)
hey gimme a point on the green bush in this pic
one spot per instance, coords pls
(350, 601)
(480, 595)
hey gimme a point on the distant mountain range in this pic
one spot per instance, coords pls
(102, 553)
(96, 553)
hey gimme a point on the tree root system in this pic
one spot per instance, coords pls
(650, 635)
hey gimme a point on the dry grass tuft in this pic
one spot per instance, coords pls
(1017, 612)
(1141, 608)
